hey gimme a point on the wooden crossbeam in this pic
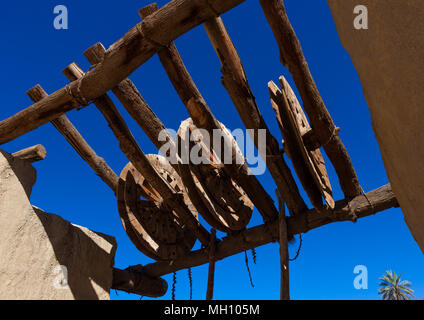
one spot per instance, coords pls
(203, 118)
(127, 54)
(77, 141)
(235, 82)
(359, 207)
(134, 153)
(291, 56)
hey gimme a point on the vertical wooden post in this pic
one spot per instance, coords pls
(211, 273)
(284, 251)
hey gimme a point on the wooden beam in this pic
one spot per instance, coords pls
(284, 251)
(359, 207)
(32, 154)
(203, 118)
(292, 57)
(77, 141)
(235, 82)
(134, 280)
(127, 54)
(131, 149)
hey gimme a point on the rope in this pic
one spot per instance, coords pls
(248, 269)
(369, 201)
(298, 250)
(78, 97)
(191, 283)
(335, 131)
(174, 283)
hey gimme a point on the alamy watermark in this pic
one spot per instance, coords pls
(361, 19)
(60, 22)
(233, 147)
(360, 282)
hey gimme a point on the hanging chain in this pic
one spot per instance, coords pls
(298, 250)
(254, 255)
(191, 283)
(174, 283)
(248, 269)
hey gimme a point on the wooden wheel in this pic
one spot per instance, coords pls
(308, 162)
(157, 233)
(227, 206)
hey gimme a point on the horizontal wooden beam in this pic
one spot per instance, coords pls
(359, 207)
(292, 57)
(134, 280)
(32, 154)
(127, 54)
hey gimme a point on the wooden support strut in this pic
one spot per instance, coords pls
(359, 207)
(140, 111)
(284, 251)
(211, 271)
(292, 57)
(32, 154)
(133, 152)
(76, 140)
(124, 57)
(204, 119)
(235, 82)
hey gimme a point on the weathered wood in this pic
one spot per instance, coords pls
(137, 46)
(204, 119)
(32, 154)
(134, 280)
(76, 140)
(324, 128)
(359, 207)
(293, 123)
(211, 269)
(235, 82)
(284, 251)
(133, 152)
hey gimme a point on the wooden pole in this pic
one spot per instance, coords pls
(211, 271)
(127, 54)
(134, 280)
(76, 140)
(284, 251)
(359, 207)
(235, 82)
(32, 154)
(203, 118)
(131, 149)
(292, 57)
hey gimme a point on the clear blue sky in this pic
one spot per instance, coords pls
(34, 52)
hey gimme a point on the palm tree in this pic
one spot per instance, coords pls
(392, 288)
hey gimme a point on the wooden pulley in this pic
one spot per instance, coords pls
(227, 207)
(307, 159)
(155, 231)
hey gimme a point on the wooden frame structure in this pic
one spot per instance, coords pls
(155, 35)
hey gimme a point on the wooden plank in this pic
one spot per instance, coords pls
(204, 119)
(127, 54)
(284, 251)
(77, 141)
(32, 154)
(131, 149)
(359, 207)
(235, 82)
(292, 57)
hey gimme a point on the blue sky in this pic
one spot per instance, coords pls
(34, 52)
